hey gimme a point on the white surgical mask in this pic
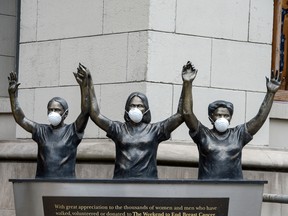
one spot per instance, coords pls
(136, 115)
(55, 118)
(221, 124)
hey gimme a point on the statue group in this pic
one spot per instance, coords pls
(137, 139)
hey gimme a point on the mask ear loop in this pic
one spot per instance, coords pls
(211, 120)
(64, 114)
(145, 112)
(137, 108)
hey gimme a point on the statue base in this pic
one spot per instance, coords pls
(85, 197)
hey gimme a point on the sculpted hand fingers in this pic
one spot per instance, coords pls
(194, 69)
(279, 78)
(79, 69)
(75, 75)
(14, 75)
(85, 71)
(10, 75)
(11, 80)
(267, 80)
(10, 83)
(81, 74)
(183, 68)
(82, 66)
(79, 80)
(272, 75)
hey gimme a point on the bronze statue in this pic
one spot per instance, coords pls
(57, 142)
(220, 148)
(136, 139)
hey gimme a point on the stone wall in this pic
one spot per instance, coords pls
(141, 45)
(8, 26)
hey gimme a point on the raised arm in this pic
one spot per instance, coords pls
(95, 115)
(188, 75)
(177, 119)
(272, 87)
(81, 78)
(17, 112)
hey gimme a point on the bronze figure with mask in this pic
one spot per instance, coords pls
(137, 139)
(57, 142)
(220, 148)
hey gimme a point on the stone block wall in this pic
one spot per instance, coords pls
(8, 36)
(7, 42)
(136, 45)
(141, 45)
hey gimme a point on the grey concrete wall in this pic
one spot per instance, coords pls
(279, 125)
(7, 42)
(7, 64)
(141, 46)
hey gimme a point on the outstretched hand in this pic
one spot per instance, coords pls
(81, 75)
(189, 72)
(13, 85)
(274, 83)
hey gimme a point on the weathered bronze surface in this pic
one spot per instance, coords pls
(220, 150)
(136, 141)
(57, 144)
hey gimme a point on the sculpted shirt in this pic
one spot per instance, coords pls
(57, 149)
(136, 148)
(220, 155)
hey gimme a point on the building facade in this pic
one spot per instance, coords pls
(140, 45)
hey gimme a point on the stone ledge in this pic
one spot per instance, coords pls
(169, 153)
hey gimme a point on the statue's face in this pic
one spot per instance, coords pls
(55, 107)
(221, 112)
(136, 102)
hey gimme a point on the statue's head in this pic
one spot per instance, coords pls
(220, 103)
(214, 107)
(57, 110)
(145, 110)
